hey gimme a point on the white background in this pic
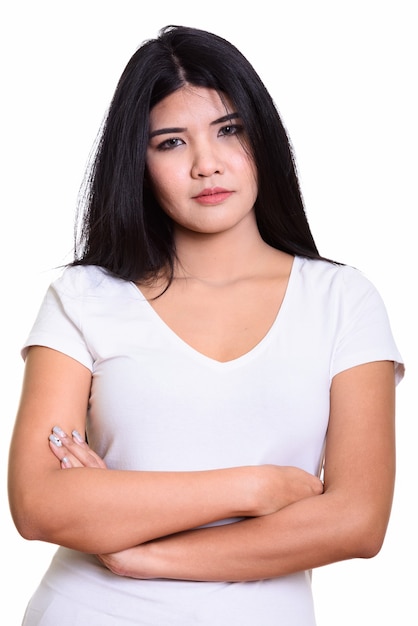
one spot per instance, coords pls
(343, 75)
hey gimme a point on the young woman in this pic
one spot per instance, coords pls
(208, 352)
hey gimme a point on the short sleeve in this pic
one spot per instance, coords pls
(364, 332)
(58, 323)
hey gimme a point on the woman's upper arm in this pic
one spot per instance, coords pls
(55, 390)
(360, 455)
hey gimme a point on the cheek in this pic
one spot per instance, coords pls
(249, 172)
(164, 178)
(153, 173)
(156, 180)
(166, 188)
(243, 163)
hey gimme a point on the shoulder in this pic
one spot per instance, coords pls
(340, 292)
(83, 281)
(333, 278)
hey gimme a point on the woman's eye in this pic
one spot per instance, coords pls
(168, 144)
(231, 129)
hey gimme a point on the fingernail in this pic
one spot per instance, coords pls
(58, 431)
(77, 436)
(55, 441)
(66, 461)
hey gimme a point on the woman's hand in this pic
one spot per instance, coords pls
(275, 487)
(73, 451)
(129, 563)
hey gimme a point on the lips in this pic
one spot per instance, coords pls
(214, 195)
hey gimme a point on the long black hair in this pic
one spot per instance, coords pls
(121, 227)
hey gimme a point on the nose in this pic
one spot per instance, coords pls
(206, 162)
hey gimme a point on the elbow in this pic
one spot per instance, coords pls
(30, 519)
(26, 528)
(27, 524)
(370, 544)
(33, 526)
(36, 514)
(365, 537)
(368, 547)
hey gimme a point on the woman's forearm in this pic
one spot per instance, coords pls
(288, 541)
(308, 534)
(95, 510)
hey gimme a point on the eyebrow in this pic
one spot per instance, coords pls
(175, 129)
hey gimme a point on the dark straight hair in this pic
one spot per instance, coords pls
(120, 225)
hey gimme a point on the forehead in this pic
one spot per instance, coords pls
(190, 104)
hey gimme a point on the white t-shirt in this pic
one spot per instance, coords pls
(158, 404)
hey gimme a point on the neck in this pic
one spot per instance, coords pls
(221, 257)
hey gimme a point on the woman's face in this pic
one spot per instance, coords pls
(198, 166)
